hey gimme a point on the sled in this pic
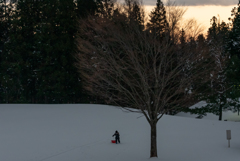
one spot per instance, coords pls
(113, 141)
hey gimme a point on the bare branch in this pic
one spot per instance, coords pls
(133, 69)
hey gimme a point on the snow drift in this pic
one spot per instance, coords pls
(84, 133)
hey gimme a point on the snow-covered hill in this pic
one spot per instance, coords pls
(84, 133)
(227, 115)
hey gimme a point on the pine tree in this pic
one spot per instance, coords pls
(135, 13)
(41, 55)
(158, 23)
(218, 95)
(105, 8)
(86, 7)
(234, 39)
(2, 26)
(60, 82)
(233, 47)
(182, 43)
(213, 30)
(183, 38)
(8, 81)
(24, 43)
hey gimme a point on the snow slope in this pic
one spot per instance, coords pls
(227, 115)
(84, 133)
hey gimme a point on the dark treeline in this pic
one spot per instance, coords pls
(159, 65)
(38, 43)
(222, 43)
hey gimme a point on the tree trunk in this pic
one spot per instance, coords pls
(220, 111)
(153, 152)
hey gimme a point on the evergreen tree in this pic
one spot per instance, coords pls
(233, 46)
(234, 39)
(213, 30)
(217, 95)
(182, 43)
(8, 83)
(41, 57)
(201, 39)
(86, 7)
(105, 8)
(135, 13)
(60, 82)
(183, 38)
(158, 23)
(2, 25)
(24, 43)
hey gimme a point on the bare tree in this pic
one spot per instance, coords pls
(193, 27)
(174, 14)
(132, 69)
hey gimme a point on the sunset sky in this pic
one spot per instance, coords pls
(202, 10)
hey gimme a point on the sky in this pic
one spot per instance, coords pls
(202, 10)
(197, 2)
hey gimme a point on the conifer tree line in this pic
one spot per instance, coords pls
(36, 50)
(220, 43)
(38, 47)
(154, 66)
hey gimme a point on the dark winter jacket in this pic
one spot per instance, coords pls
(116, 134)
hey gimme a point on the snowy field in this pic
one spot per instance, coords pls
(227, 115)
(84, 133)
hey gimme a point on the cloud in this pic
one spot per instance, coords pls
(197, 2)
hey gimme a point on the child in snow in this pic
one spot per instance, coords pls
(117, 136)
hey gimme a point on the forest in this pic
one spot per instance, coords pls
(41, 40)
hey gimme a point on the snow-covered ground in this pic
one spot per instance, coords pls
(84, 133)
(227, 115)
